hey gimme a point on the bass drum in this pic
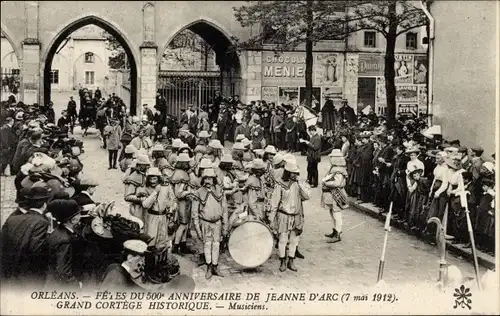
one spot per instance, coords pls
(251, 243)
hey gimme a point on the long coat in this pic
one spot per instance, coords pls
(328, 115)
(24, 247)
(8, 144)
(347, 113)
(113, 135)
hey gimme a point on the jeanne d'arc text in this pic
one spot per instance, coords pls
(285, 66)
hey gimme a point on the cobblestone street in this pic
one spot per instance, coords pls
(352, 262)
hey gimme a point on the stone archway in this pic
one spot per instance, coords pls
(11, 68)
(111, 29)
(226, 79)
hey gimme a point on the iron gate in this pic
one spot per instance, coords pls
(183, 88)
(11, 82)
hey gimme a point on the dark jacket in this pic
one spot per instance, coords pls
(347, 113)
(117, 278)
(62, 258)
(314, 149)
(8, 144)
(24, 248)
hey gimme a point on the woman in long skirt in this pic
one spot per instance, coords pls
(439, 189)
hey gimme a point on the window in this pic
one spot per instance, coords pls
(89, 77)
(411, 40)
(370, 39)
(89, 58)
(16, 71)
(54, 76)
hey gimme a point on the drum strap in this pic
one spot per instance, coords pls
(213, 222)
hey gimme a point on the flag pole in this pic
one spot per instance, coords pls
(463, 202)
(387, 228)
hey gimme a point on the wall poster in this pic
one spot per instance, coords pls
(406, 94)
(288, 95)
(420, 69)
(403, 66)
(270, 94)
(328, 69)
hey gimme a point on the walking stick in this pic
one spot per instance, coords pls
(463, 202)
(387, 228)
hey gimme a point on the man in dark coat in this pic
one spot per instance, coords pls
(8, 145)
(347, 113)
(23, 242)
(72, 112)
(313, 156)
(98, 94)
(26, 148)
(64, 245)
(328, 115)
(366, 167)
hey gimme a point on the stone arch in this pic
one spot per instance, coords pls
(110, 27)
(16, 47)
(203, 21)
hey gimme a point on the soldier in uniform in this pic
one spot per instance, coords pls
(287, 214)
(210, 218)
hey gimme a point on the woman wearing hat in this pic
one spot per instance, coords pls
(210, 219)
(183, 186)
(159, 201)
(287, 214)
(64, 246)
(439, 188)
(256, 189)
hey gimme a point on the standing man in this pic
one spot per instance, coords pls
(287, 214)
(313, 156)
(24, 242)
(210, 218)
(72, 112)
(98, 94)
(347, 113)
(8, 145)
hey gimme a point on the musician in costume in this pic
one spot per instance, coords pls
(247, 153)
(287, 214)
(141, 141)
(176, 144)
(334, 197)
(210, 218)
(160, 161)
(227, 179)
(256, 190)
(201, 147)
(214, 153)
(128, 157)
(159, 202)
(182, 186)
(237, 155)
(133, 181)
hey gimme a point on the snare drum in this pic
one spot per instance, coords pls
(251, 243)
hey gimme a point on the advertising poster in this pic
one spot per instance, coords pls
(328, 69)
(371, 65)
(381, 97)
(406, 94)
(420, 70)
(407, 109)
(332, 93)
(403, 66)
(285, 69)
(422, 98)
(270, 94)
(288, 95)
(316, 97)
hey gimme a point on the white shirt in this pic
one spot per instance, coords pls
(441, 173)
(39, 211)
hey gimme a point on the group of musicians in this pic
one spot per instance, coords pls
(175, 189)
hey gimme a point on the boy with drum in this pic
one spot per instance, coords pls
(287, 214)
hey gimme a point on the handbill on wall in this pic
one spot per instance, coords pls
(289, 95)
(422, 99)
(270, 94)
(403, 67)
(407, 109)
(328, 69)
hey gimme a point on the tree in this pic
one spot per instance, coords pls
(184, 45)
(118, 59)
(289, 24)
(391, 19)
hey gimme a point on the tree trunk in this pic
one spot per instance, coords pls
(390, 72)
(309, 54)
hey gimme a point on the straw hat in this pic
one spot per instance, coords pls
(143, 160)
(270, 149)
(277, 159)
(240, 137)
(238, 146)
(129, 149)
(215, 144)
(176, 143)
(203, 134)
(258, 164)
(413, 149)
(205, 163)
(289, 158)
(153, 172)
(292, 167)
(246, 142)
(157, 147)
(227, 158)
(209, 172)
(183, 158)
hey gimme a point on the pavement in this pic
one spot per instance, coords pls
(352, 262)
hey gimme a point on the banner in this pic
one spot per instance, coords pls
(270, 94)
(288, 95)
(287, 69)
(403, 67)
(420, 70)
(406, 94)
(328, 69)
